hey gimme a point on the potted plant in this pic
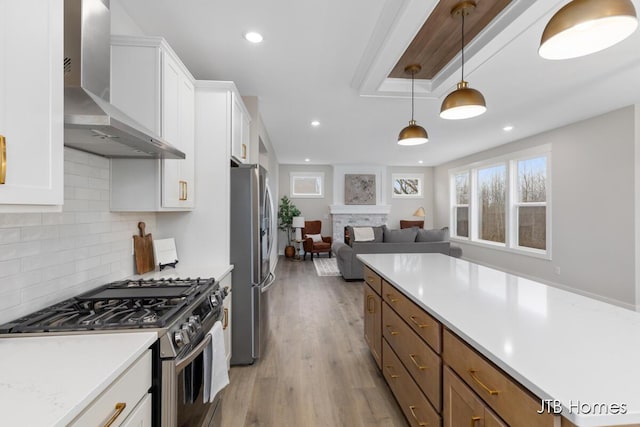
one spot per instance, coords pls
(286, 212)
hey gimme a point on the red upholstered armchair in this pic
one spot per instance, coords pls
(310, 231)
(408, 224)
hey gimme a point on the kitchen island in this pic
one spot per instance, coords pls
(579, 354)
(51, 380)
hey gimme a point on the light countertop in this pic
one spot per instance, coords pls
(558, 344)
(48, 381)
(184, 271)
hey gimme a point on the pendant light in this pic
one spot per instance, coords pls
(583, 27)
(464, 102)
(413, 134)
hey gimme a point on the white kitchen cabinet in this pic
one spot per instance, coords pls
(150, 83)
(240, 130)
(123, 402)
(31, 105)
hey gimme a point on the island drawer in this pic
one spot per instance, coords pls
(504, 395)
(413, 403)
(373, 280)
(422, 323)
(418, 358)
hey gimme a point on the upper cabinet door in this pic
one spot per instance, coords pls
(31, 105)
(240, 130)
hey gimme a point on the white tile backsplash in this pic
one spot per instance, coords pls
(45, 258)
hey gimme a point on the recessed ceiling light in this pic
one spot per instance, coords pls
(420, 161)
(307, 160)
(507, 128)
(315, 123)
(253, 37)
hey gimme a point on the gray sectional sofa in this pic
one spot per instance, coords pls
(408, 240)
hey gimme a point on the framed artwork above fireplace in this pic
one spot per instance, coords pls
(359, 189)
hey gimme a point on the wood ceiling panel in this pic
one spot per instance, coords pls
(439, 39)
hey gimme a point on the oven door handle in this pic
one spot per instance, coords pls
(186, 360)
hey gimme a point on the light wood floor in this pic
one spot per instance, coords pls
(317, 370)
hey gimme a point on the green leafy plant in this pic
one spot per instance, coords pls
(286, 212)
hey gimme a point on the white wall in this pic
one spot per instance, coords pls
(48, 257)
(593, 214)
(121, 22)
(403, 208)
(310, 208)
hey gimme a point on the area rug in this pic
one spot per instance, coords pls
(326, 266)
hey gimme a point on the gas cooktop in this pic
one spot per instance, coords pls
(118, 305)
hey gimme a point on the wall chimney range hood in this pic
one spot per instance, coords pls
(91, 123)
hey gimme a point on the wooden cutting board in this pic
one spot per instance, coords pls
(143, 249)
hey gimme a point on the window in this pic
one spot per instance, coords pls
(461, 205)
(306, 184)
(531, 203)
(492, 191)
(504, 202)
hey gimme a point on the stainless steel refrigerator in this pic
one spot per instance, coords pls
(251, 245)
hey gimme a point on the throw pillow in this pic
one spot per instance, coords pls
(315, 237)
(363, 234)
(377, 235)
(435, 235)
(400, 236)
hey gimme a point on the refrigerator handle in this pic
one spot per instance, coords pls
(271, 279)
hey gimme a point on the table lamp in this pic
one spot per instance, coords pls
(298, 224)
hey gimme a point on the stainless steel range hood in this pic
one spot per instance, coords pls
(91, 123)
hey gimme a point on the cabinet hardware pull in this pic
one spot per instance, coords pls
(413, 413)
(491, 392)
(244, 151)
(391, 298)
(415, 362)
(225, 321)
(391, 374)
(371, 279)
(118, 410)
(391, 330)
(183, 190)
(3, 159)
(371, 309)
(418, 324)
(474, 420)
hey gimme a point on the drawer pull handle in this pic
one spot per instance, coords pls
(415, 362)
(118, 410)
(391, 374)
(225, 321)
(391, 330)
(371, 308)
(371, 279)
(474, 420)
(491, 392)
(391, 298)
(3, 159)
(413, 413)
(418, 324)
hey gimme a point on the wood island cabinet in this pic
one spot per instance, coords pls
(373, 323)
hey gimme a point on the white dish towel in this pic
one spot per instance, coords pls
(215, 375)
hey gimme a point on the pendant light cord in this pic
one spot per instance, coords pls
(462, 47)
(412, 74)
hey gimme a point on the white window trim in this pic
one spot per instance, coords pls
(292, 179)
(511, 162)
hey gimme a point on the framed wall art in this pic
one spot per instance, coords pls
(407, 185)
(359, 189)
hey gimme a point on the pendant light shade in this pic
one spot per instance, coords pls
(464, 102)
(583, 27)
(413, 134)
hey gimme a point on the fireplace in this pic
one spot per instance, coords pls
(357, 216)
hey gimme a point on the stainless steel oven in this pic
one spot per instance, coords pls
(181, 311)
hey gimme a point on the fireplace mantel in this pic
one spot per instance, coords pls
(359, 209)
